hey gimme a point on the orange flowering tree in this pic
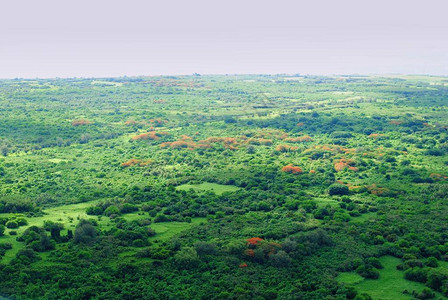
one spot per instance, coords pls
(81, 122)
(136, 162)
(292, 169)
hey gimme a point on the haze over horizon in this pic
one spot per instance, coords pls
(49, 38)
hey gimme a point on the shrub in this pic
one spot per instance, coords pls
(43, 244)
(280, 259)
(338, 189)
(12, 224)
(127, 208)
(416, 274)
(375, 262)
(161, 218)
(6, 246)
(138, 243)
(203, 248)
(230, 120)
(368, 271)
(186, 258)
(22, 221)
(95, 211)
(85, 233)
(111, 210)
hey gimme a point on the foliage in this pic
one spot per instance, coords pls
(224, 187)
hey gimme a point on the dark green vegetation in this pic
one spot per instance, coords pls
(224, 187)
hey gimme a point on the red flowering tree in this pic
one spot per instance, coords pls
(292, 169)
(81, 122)
(254, 241)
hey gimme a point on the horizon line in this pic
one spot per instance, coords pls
(226, 74)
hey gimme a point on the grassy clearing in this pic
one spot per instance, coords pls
(322, 202)
(165, 231)
(66, 214)
(350, 278)
(364, 217)
(69, 216)
(57, 160)
(207, 186)
(390, 285)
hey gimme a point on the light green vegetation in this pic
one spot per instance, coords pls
(363, 217)
(224, 187)
(322, 202)
(389, 286)
(350, 278)
(166, 230)
(69, 215)
(207, 186)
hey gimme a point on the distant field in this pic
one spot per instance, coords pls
(69, 216)
(389, 286)
(207, 186)
(166, 230)
(66, 214)
(363, 217)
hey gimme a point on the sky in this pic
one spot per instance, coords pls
(98, 38)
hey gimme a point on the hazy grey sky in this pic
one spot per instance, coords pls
(61, 38)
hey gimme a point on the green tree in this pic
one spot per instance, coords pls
(280, 259)
(338, 189)
(187, 258)
(85, 232)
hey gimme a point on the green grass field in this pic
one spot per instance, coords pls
(69, 216)
(363, 217)
(207, 186)
(66, 214)
(167, 230)
(389, 286)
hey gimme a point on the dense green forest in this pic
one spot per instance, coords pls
(224, 187)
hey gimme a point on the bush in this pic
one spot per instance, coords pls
(425, 294)
(6, 246)
(375, 262)
(203, 248)
(186, 258)
(43, 244)
(22, 221)
(338, 189)
(138, 243)
(436, 280)
(27, 256)
(161, 218)
(94, 210)
(280, 259)
(112, 210)
(434, 152)
(128, 208)
(368, 271)
(12, 224)
(85, 233)
(416, 274)
(230, 121)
